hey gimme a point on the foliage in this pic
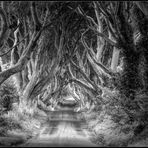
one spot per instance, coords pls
(8, 95)
(20, 122)
(119, 119)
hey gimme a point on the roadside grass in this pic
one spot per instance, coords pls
(117, 125)
(24, 125)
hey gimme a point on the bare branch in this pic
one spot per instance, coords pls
(117, 7)
(25, 32)
(110, 28)
(13, 46)
(86, 46)
(97, 13)
(85, 76)
(114, 23)
(92, 56)
(35, 16)
(143, 6)
(103, 68)
(14, 53)
(69, 69)
(46, 17)
(4, 26)
(111, 17)
(103, 10)
(79, 82)
(25, 57)
(105, 37)
(92, 20)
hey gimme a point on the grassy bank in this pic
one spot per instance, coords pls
(16, 126)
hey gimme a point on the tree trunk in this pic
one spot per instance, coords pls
(144, 45)
(100, 45)
(25, 77)
(25, 98)
(14, 59)
(20, 65)
(130, 78)
(30, 69)
(5, 31)
(143, 41)
(100, 40)
(146, 69)
(139, 14)
(115, 59)
(1, 63)
(115, 55)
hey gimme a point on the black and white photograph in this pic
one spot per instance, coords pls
(73, 73)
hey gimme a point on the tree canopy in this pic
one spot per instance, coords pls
(88, 47)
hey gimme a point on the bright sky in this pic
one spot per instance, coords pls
(70, 98)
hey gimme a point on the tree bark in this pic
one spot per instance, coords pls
(14, 59)
(100, 40)
(25, 77)
(143, 7)
(130, 78)
(25, 57)
(115, 56)
(4, 31)
(1, 63)
(29, 88)
(20, 65)
(115, 59)
(140, 21)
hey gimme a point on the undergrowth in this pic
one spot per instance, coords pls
(12, 119)
(119, 121)
(17, 122)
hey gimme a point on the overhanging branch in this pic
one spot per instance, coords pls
(4, 26)
(35, 16)
(108, 72)
(92, 56)
(104, 36)
(82, 84)
(85, 76)
(14, 46)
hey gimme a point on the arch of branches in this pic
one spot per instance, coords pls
(80, 47)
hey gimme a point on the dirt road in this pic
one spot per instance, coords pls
(65, 128)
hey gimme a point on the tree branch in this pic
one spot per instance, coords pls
(25, 32)
(82, 84)
(102, 9)
(4, 26)
(25, 57)
(143, 6)
(92, 56)
(84, 75)
(78, 81)
(13, 46)
(110, 28)
(94, 64)
(36, 21)
(104, 36)
(113, 15)
(14, 53)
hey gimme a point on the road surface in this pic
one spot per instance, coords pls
(65, 128)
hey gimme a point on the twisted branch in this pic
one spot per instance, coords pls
(4, 25)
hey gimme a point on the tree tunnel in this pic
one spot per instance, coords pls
(94, 52)
(47, 56)
(91, 56)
